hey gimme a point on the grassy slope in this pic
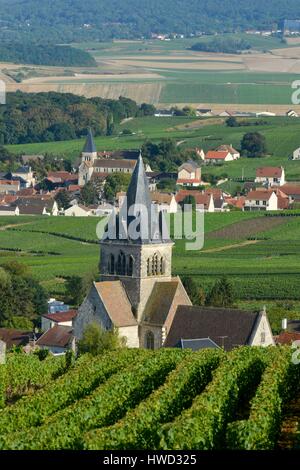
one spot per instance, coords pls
(282, 135)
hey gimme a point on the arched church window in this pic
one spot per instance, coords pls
(148, 267)
(155, 265)
(149, 340)
(130, 266)
(162, 266)
(111, 264)
(121, 266)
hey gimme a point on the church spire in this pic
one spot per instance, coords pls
(89, 146)
(139, 221)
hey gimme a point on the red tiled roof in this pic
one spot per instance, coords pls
(200, 198)
(58, 336)
(286, 337)
(26, 192)
(14, 337)
(259, 195)
(74, 187)
(215, 155)
(60, 317)
(290, 189)
(269, 172)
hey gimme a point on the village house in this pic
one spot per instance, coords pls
(270, 176)
(60, 180)
(36, 205)
(166, 202)
(228, 148)
(79, 210)
(189, 174)
(9, 186)
(261, 199)
(217, 157)
(9, 210)
(26, 174)
(50, 320)
(292, 190)
(226, 328)
(203, 201)
(296, 154)
(57, 340)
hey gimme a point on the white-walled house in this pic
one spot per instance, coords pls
(228, 148)
(261, 199)
(78, 210)
(9, 210)
(296, 154)
(49, 320)
(214, 156)
(166, 202)
(270, 176)
(189, 174)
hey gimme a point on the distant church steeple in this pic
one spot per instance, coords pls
(142, 255)
(89, 152)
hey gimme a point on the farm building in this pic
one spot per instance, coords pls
(189, 174)
(215, 156)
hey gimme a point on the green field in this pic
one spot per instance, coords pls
(265, 271)
(282, 136)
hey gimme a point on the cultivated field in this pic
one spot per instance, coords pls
(176, 74)
(138, 399)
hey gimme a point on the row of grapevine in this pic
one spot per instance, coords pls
(139, 428)
(203, 425)
(87, 374)
(103, 407)
(279, 382)
(26, 372)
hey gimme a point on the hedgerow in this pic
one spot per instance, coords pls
(203, 425)
(139, 428)
(107, 404)
(279, 381)
(88, 374)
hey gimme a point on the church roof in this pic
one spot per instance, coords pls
(89, 146)
(139, 221)
(116, 303)
(164, 300)
(225, 326)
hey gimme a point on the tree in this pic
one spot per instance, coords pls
(115, 183)
(232, 122)
(221, 294)
(63, 199)
(253, 145)
(77, 288)
(147, 109)
(194, 291)
(88, 194)
(96, 340)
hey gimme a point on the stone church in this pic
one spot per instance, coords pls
(136, 292)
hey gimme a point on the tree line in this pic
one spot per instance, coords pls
(51, 116)
(45, 54)
(71, 21)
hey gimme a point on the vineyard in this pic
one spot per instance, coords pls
(138, 399)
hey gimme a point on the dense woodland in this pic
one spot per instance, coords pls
(45, 117)
(37, 54)
(72, 20)
(225, 45)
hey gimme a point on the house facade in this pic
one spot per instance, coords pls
(270, 176)
(189, 174)
(261, 199)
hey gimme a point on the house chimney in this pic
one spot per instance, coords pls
(284, 324)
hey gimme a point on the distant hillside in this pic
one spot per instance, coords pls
(74, 20)
(28, 53)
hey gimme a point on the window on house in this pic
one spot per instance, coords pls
(257, 203)
(264, 203)
(149, 340)
(148, 267)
